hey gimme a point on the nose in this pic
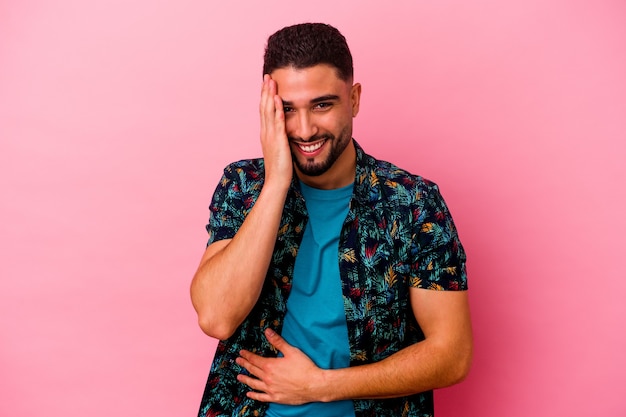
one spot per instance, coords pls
(304, 126)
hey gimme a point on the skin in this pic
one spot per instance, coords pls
(301, 109)
(230, 276)
(318, 108)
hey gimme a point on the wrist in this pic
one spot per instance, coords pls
(325, 387)
(277, 185)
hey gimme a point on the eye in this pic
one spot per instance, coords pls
(288, 109)
(323, 106)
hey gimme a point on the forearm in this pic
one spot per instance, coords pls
(228, 281)
(443, 358)
(295, 379)
(417, 368)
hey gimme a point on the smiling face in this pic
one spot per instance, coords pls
(319, 107)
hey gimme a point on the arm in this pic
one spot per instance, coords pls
(442, 359)
(230, 277)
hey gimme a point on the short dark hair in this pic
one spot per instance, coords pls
(306, 45)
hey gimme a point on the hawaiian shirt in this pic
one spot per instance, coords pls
(398, 234)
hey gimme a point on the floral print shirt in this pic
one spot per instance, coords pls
(398, 234)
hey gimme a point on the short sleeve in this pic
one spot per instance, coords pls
(227, 207)
(439, 258)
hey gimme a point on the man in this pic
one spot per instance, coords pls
(334, 281)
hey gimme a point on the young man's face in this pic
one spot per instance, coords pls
(319, 107)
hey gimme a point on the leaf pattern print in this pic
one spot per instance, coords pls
(349, 256)
(398, 234)
(390, 277)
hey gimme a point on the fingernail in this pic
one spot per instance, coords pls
(269, 332)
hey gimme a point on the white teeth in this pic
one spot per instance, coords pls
(313, 147)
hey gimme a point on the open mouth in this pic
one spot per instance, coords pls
(311, 147)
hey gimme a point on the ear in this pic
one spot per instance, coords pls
(355, 98)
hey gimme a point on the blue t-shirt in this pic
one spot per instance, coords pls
(315, 321)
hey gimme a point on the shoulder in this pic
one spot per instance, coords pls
(395, 182)
(239, 186)
(241, 180)
(245, 167)
(248, 173)
(403, 177)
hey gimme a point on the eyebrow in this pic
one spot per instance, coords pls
(327, 97)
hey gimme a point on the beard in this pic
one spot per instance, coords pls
(337, 146)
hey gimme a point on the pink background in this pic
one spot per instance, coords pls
(117, 117)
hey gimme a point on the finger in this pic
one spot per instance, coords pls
(251, 357)
(247, 362)
(260, 396)
(269, 108)
(264, 98)
(279, 114)
(260, 388)
(254, 383)
(277, 341)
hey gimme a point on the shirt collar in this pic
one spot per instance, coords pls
(367, 188)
